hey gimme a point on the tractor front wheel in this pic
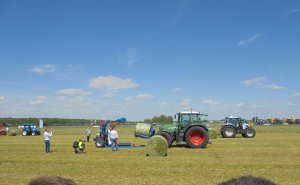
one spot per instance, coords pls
(24, 133)
(249, 133)
(167, 137)
(196, 137)
(228, 131)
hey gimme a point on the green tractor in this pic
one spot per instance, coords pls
(189, 126)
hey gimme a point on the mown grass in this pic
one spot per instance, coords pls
(273, 154)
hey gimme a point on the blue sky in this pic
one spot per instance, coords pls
(139, 59)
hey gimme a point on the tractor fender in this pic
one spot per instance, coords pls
(203, 126)
(231, 125)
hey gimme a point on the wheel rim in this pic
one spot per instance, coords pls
(24, 133)
(99, 143)
(197, 137)
(229, 131)
(250, 133)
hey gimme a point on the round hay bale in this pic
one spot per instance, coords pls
(157, 146)
(142, 129)
(212, 134)
(12, 133)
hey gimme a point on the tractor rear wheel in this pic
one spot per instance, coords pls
(196, 137)
(99, 143)
(24, 133)
(167, 137)
(228, 131)
(249, 132)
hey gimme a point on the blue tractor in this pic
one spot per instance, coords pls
(101, 139)
(30, 129)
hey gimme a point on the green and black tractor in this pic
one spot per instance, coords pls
(188, 126)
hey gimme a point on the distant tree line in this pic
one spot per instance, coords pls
(46, 121)
(160, 119)
(13, 122)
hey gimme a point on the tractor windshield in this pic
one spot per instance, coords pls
(234, 121)
(188, 118)
(185, 118)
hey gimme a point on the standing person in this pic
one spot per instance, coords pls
(88, 134)
(114, 139)
(47, 135)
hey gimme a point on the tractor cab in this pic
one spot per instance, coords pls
(186, 118)
(235, 121)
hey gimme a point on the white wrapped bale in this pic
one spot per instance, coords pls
(143, 129)
(12, 133)
(157, 146)
(213, 134)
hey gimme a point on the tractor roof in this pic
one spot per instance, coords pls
(28, 124)
(232, 117)
(193, 112)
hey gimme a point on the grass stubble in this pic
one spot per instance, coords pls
(273, 154)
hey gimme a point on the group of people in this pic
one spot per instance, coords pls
(79, 146)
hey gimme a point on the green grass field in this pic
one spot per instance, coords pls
(273, 154)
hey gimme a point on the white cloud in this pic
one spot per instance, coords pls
(185, 102)
(2, 99)
(47, 68)
(210, 102)
(139, 97)
(274, 87)
(255, 81)
(108, 95)
(245, 42)
(39, 100)
(78, 100)
(295, 10)
(297, 94)
(130, 57)
(111, 83)
(261, 82)
(240, 104)
(258, 106)
(177, 89)
(290, 104)
(144, 96)
(73, 92)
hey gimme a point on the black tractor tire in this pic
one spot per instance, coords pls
(99, 143)
(228, 131)
(196, 137)
(249, 133)
(167, 137)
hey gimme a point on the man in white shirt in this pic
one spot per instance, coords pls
(47, 135)
(114, 139)
(88, 134)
